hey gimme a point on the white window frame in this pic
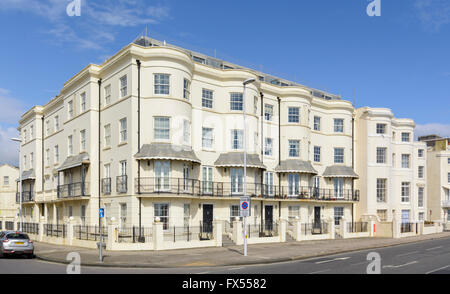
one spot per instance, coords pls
(405, 192)
(70, 110)
(294, 115)
(406, 161)
(207, 98)
(123, 84)
(70, 145)
(160, 128)
(107, 135)
(186, 89)
(236, 101)
(338, 128)
(161, 83)
(381, 190)
(268, 112)
(317, 155)
(317, 123)
(123, 126)
(268, 147)
(207, 138)
(338, 156)
(83, 102)
(107, 90)
(381, 155)
(82, 140)
(294, 152)
(237, 139)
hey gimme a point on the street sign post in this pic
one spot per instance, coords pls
(245, 207)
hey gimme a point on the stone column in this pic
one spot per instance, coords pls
(282, 230)
(396, 232)
(112, 233)
(298, 229)
(158, 235)
(218, 232)
(372, 228)
(70, 231)
(238, 237)
(332, 231)
(41, 228)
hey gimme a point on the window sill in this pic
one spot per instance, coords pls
(122, 144)
(106, 148)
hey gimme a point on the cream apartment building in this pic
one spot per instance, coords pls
(392, 167)
(157, 131)
(8, 188)
(438, 168)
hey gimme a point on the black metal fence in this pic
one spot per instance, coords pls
(90, 233)
(73, 190)
(264, 230)
(51, 230)
(315, 228)
(204, 232)
(9, 225)
(30, 228)
(357, 227)
(406, 228)
(134, 235)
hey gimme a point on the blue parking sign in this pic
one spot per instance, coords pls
(101, 212)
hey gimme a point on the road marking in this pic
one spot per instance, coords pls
(202, 273)
(331, 260)
(407, 253)
(401, 265)
(327, 270)
(236, 268)
(436, 270)
(434, 248)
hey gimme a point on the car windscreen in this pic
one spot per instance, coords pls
(15, 236)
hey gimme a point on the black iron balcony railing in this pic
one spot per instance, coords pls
(180, 186)
(73, 190)
(27, 196)
(121, 184)
(106, 186)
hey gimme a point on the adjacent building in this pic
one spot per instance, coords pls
(392, 167)
(438, 186)
(8, 188)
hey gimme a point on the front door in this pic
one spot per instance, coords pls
(207, 225)
(317, 220)
(268, 217)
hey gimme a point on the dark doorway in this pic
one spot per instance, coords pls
(268, 218)
(317, 227)
(207, 225)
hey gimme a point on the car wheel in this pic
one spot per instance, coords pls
(30, 256)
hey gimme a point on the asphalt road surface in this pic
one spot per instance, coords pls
(428, 257)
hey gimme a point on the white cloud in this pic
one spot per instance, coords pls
(95, 27)
(9, 151)
(433, 14)
(442, 130)
(11, 109)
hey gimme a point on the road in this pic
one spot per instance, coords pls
(428, 257)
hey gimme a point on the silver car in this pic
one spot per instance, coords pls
(12, 242)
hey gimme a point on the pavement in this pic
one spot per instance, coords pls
(261, 254)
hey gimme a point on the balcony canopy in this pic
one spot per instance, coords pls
(74, 161)
(296, 166)
(166, 152)
(236, 159)
(28, 175)
(338, 171)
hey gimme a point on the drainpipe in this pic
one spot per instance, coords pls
(42, 153)
(139, 147)
(262, 155)
(279, 143)
(353, 166)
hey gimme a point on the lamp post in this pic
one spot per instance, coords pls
(246, 82)
(20, 184)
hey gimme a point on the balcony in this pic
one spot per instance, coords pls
(178, 186)
(446, 203)
(121, 184)
(73, 190)
(27, 196)
(106, 186)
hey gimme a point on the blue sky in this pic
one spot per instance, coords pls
(399, 60)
